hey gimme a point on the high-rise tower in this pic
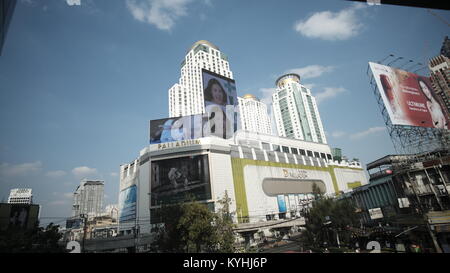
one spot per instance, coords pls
(186, 96)
(295, 110)
(440, 78)
(254, 115)
(20, 196)
(88, 198)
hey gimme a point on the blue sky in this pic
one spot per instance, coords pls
(80, 79)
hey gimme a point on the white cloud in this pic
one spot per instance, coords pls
(73, 2)
(7, 169)
(58, 203)
(55, 174)
(84, 171)
(311, 71)
(160, 13)
(68, 195)
(338, 134)
(367, 132)
(310, 85)
(267, 95)
(329, 25)
(328, 93)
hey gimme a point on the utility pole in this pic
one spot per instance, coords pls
(84, 216)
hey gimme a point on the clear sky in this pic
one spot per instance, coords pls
(80, 79)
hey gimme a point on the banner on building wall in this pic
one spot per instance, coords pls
(375, 213)
(281, 204)
(221, 104)
(178, 179)
(127, 204)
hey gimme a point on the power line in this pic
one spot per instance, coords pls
(439, 17)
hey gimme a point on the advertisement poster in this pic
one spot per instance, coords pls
(375, 213)
(127, 204)
(221, 104)
(409, 98)
(19, 216)
(281, 204)
(174, 180)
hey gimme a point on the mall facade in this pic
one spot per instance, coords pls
(269, 179)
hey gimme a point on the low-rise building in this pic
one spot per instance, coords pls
(408, 195)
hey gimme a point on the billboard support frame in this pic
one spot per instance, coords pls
(410, 139)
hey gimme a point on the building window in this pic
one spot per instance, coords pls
(310, 153)
(294, 151)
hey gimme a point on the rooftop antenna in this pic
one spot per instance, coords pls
(380, 62)
(410, 61)
(399, 58)
(409, 68)
(390, 55)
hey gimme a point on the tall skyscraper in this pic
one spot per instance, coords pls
(254, 116)
(186, 96)
(295, 110)
(88, 198)
(440, 78)
(20, 196)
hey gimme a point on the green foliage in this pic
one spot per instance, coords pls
(192, 227)
(36, 240)
(328, 219)
(317, 192)
(224, 226)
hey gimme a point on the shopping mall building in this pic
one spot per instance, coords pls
(268, 179)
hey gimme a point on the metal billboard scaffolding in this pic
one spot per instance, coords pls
(410, 139)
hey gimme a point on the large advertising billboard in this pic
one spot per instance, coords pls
(174, 180)
(220, 119)
(221, 103)
(409, 98)
(127, 204)
(178, 128)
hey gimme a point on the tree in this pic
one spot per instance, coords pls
(193, 227)
(317, 192)
(35, 240)
(328, 219)
(224, 225)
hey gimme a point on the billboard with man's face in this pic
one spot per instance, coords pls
(409, 98)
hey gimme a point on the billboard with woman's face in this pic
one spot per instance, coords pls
(409, 98)
(221, 104)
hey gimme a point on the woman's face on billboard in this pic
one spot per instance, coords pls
(425, 89)
(217, 94)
